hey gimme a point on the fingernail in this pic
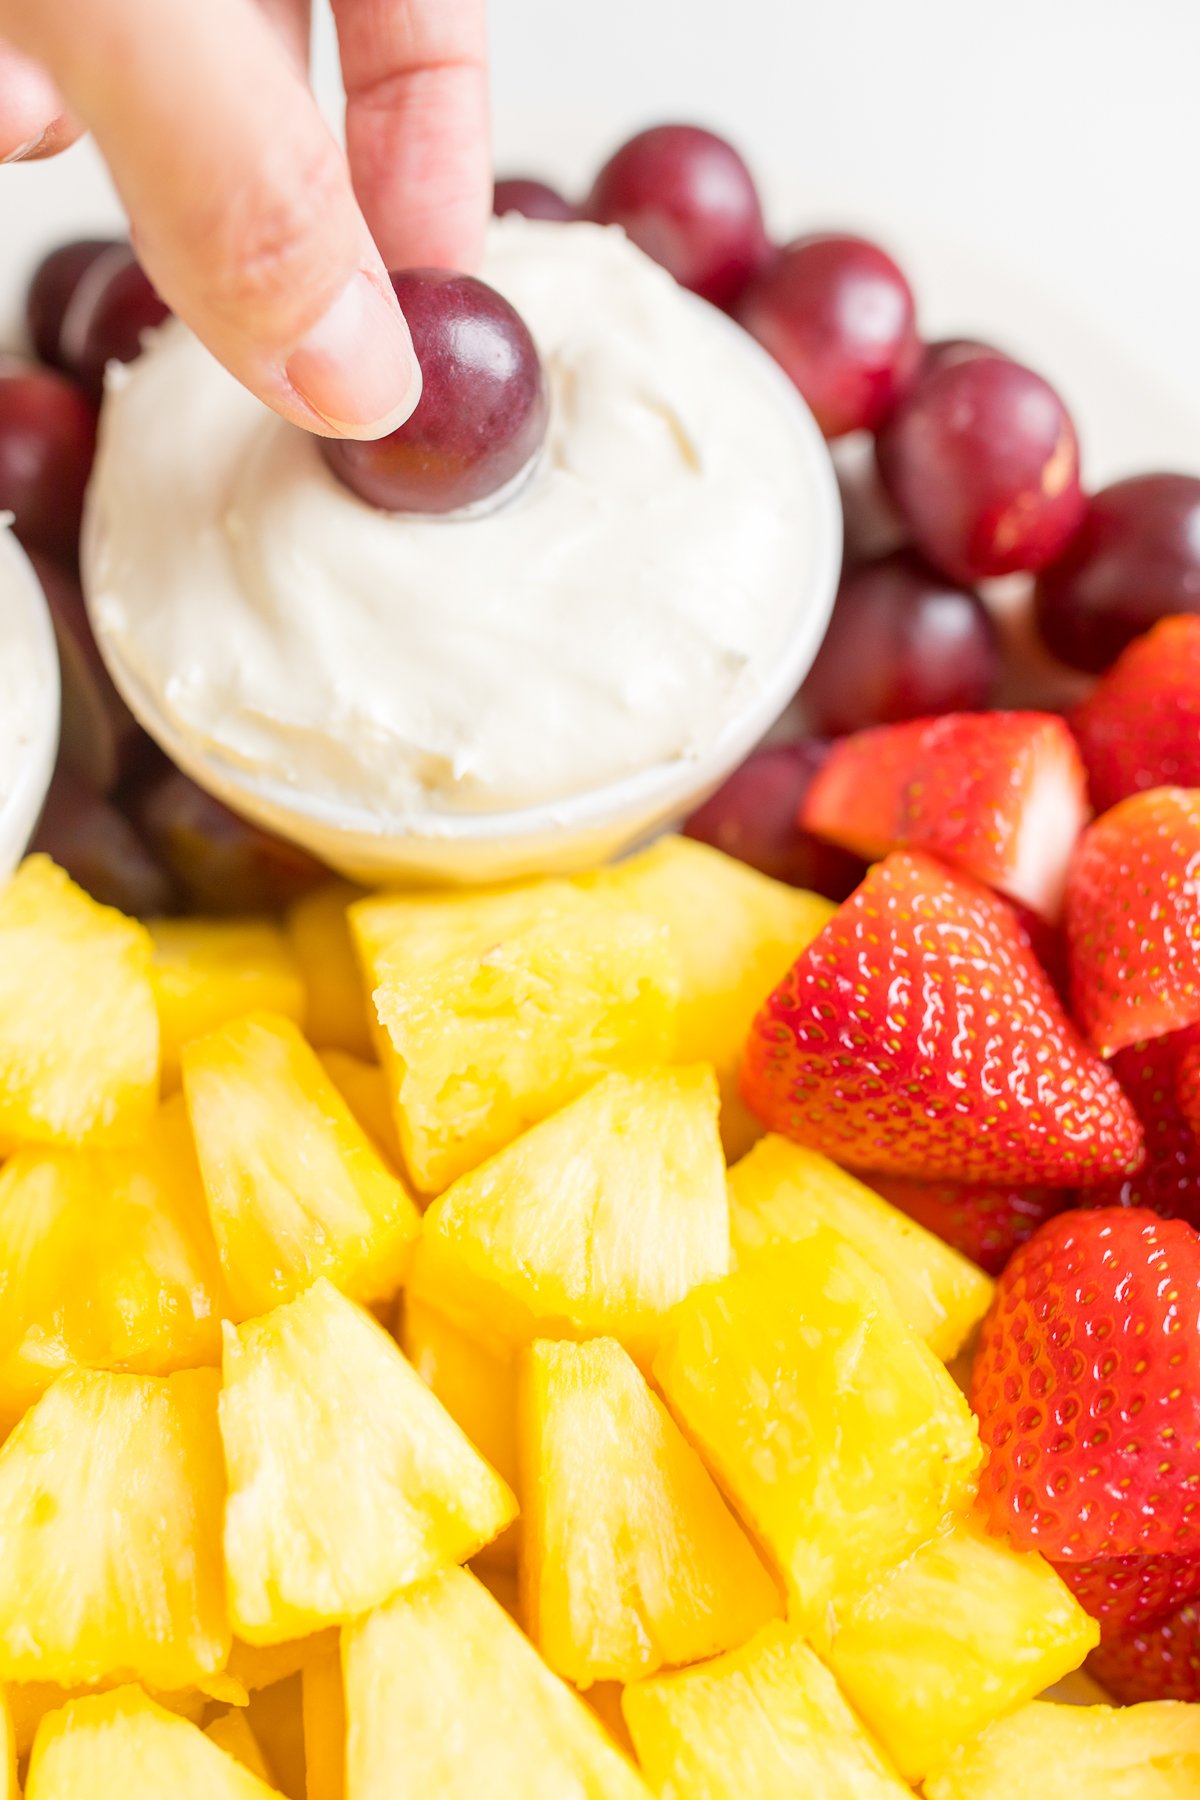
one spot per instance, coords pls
(24, 150)
(356, 366)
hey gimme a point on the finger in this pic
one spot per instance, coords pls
(417, 125)
(243, 212)
(292, 19)
(33, 120)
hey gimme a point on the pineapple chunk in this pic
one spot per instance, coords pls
(1147, 1752)
(446, 1698)
(337, 1015)
(30, 1701)
(208, 971)
(124, 1744)
(107, 1261)
(736, 934)
(231, 1732)
(295, 1187)
(325, 1726)
(490, 1041)
(596, 1221)
(478, 1388)
(363, 1086)
(965, 1630)
(78, 1023)
(840, 1437)
(765, 1721)
(782, 1192)
(110, 1533)
(347, 1479)
(631, 1559)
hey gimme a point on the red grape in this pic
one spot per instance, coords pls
(1135, 559)
(100, 737)
(903, 643)
(222, 863)
(687, 199)
(753, 817)
(51, 288)
(47, 439)
(532, 199)
(982, 462)
(482, 413)
(100, 849)
(837, 314)
(110, 309)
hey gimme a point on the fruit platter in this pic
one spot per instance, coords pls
(629, 1231)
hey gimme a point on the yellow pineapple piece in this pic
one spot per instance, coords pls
(781, 1192)
(276, 1717)
(325, 1726)
(1146, 1752)
(295, 1187)
(597, 1221)
(110, 1533)
(208, 971)
(347, 1479)
(338, 1015)
(231, 1732)
(842, 1440)
(966, 1630)
(124, 1744)
(513, 1027)
(446, 1698)
(8, 1752)
(631, 1559)
(363, 1086)
(109, 1263)
(30, 1701)
(736, 934)
(478, 1388)
(765, 1721)
(78, 1023)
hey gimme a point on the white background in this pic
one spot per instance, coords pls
(1035, 163)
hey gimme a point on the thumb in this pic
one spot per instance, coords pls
(239, 197)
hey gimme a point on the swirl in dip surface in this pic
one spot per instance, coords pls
(609, 616)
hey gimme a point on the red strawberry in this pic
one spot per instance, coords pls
(1168, 1182)
(1133, 920)
(918, 1036)
(1001, 796)
(1140, 727)
(1157, 1662)
(1125, 1593)
(1187, 1088)
(1086, 1385)
(985, 1223)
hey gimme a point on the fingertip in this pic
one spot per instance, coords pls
(356, 367)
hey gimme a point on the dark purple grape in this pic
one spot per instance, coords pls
(52, 287)
(903, 643)
(532, 199)
(100, 739)
(100, 849)
(982, 462)
(112, 307)
(754, 817)
(687, 199)
(221, 863)
(1134, 560)
(482, 413)
(838, 316)
(47, 440)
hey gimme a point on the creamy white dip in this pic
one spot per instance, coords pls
(610, 616)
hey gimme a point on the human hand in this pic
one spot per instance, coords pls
(255, 228)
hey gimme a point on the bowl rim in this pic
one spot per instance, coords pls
(661, 790)
(25, 612)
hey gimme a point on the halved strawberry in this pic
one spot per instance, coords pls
(1140, 727)
(1127, 1593)
(985, 1223)
(918, 1036)
(1133, 920)
(1187, 1090)
(1086, 1385)
(1168, 1182)
(1157, 1662)
(1001, 795)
